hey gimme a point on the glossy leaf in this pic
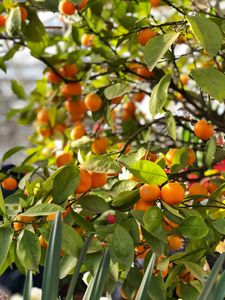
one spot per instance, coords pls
(6, 236)
(116, 90)
(43, 209)
(157, 47)
(152, 220)
(94, 203)
(18, 89)
(193, 227)
(101, 164)
(171, 125)
(210, 151)
(159, 95)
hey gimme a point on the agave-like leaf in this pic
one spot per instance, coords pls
(220, 288)
(75, 276)
(52, 261)
(28, 286)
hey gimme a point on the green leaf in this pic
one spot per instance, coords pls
(81, 222)
(75, 276)
(101, 164)
(211, 81)
(121, 186)
(157, 47)
(193, 227)
(180, 160)
(148, 172)
(28, 250)
(28, 286)
(95, 290)
(67, 264)
(6, 236)
(159, 95)
(11, 152)
(153, 220)
(207, 33)
(144, 287)
(157, 288)
(219, 225)
(35, 31)
(13, 22)
(52, 261)
(122, 247)
(188, 291)
(2, 203)
(126, 199)
(212, 278)
(65, 183)
(220, 288)
(171, 125)
(94, 203)
(18, 89)
(210, 151)
(116, 90)
(43, 209)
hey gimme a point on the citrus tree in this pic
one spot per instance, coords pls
(128, 140)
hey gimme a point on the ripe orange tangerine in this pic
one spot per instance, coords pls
(52, 77)
(99, 145)
(85, 182)
(66, 7)
(144, 72)
(42, 242)
(149, 192)
(172, 193)
(198, 189)
(117, 100)
(87, 39)
(155, 3)
(98, 179)
(145, 35)
(63, 158)
(60, 127)
(23, 13)
(93, 102)
(19, 222)
(174, 242)
(203, 130)
(142, 205)
(82, 4)
(75, 106)
(78, 131)
(2, 20)
(69, 70)
(138, 97)
(45, 131)
(9, 184)
(169, 157)
(129, 107)
(43, 116)
(71, 89)
(184, 78)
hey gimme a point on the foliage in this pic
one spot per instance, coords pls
(151, 72)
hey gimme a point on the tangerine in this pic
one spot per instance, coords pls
(9, 184)
(203, 130)
(172, 193)
(149, 192)
(63, 158)
(85, 182)
(71, 89)
(93, 102)
(145, 35)
(99, 145)
(98, 180)
(66, 7)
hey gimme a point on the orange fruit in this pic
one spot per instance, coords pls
(46, 132)
(169, 157)
(9, 184)
(98, 180)
(191, 157)
(82, 4)
(19, 222)
(117, 100)
(71, 89)
(52, 77)
(66, 7)
(120, 146)
(172, 193)
(142, 205)
(129, 107)
(42, 242)
(75, 106)
(168, 224)
(69, 70)
(149, 192)
(43, 116)
(60, 127)
(144, 73)
(78, 131)
(138, 97)
(85, 182)
(75, 117)
(141, 251)
(211, 187)
(203, 130)
(125, 115)
(52, 216)
(23, 13)
(2, 20)
(99, 145)
(87, 39)
(63, 158)
(184, 78)
(145, 35)
(198, 189)
(155, 3)
(174, 242)
(93, 102)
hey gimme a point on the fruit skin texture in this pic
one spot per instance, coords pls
(52, 77)
(43, 116)
(93, 102)
(149, 192)
(85, 182)
(174, 242)
(23, 13)
(145, 35)
(9, 184)
(111, 218)
(155, 3)
(75, 107)
(99, 145)
(22, 219)
(87, 39)
(191, 157)
(66, 8)
(71, 89)
(198, 189)
(63, 158)
(98, 180)
(77, 132)
(142, 205)
(2, 20)
(203, 130)
(69, 70)
(172, 193)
